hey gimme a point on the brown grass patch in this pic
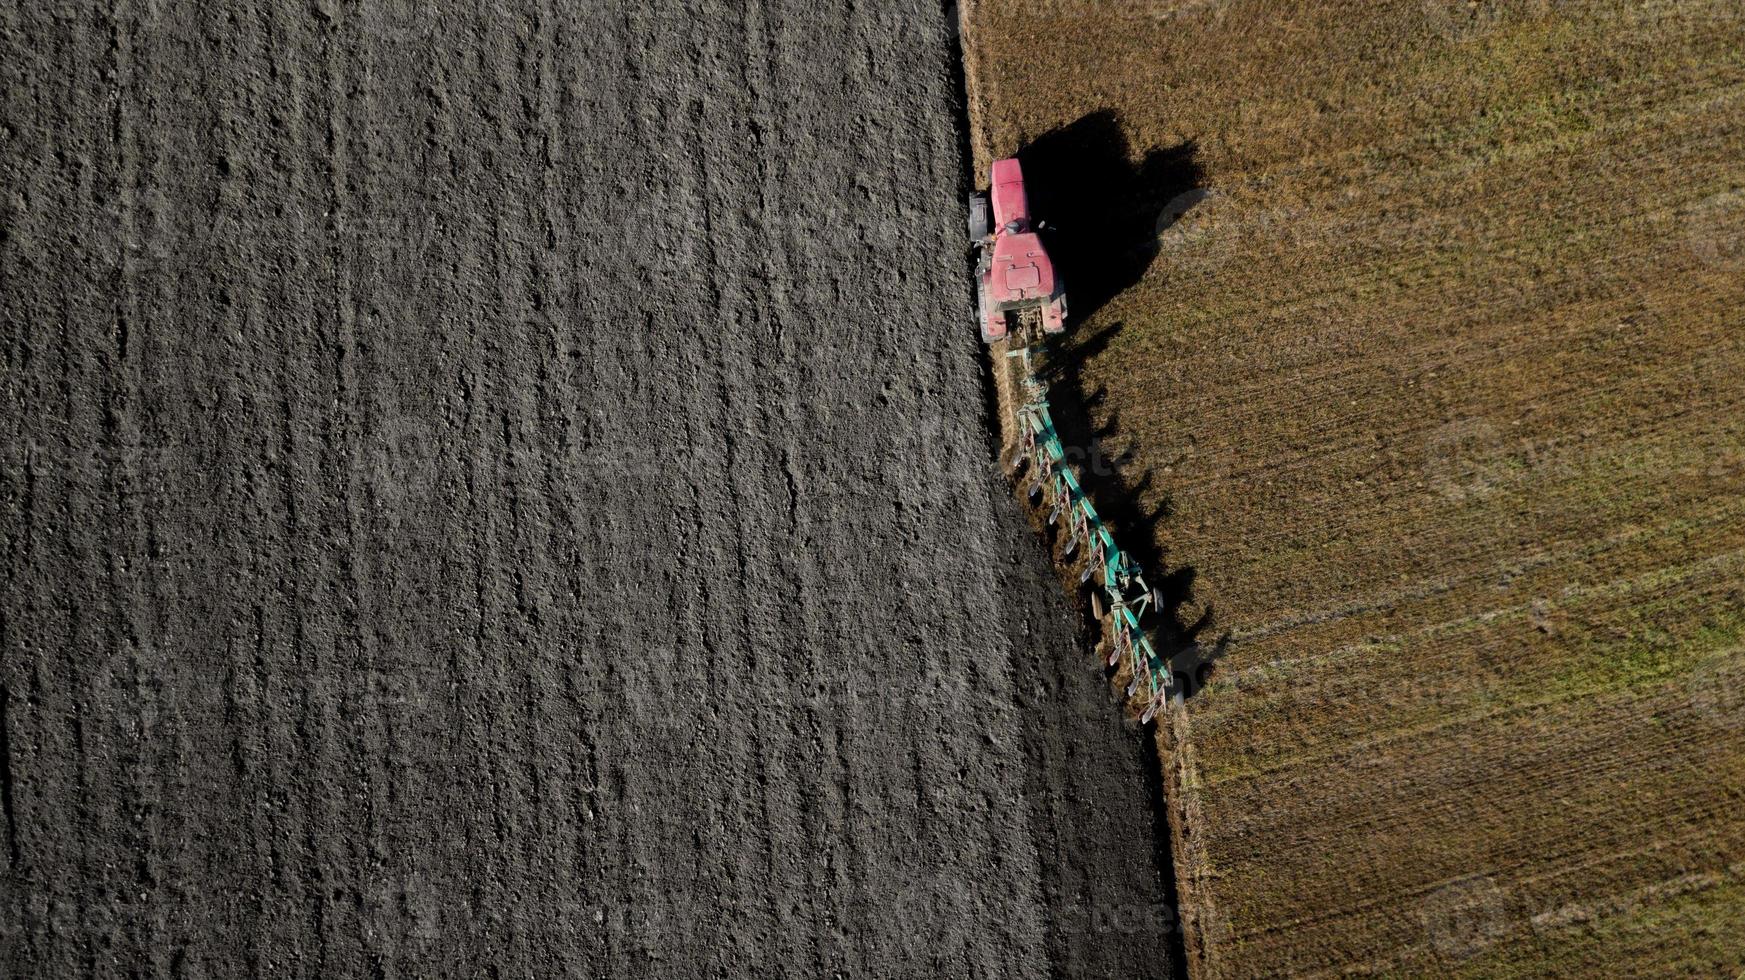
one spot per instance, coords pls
(1439, 390)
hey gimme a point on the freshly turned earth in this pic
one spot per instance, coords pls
(512, 496)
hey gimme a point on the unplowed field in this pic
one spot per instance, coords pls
(1424, 323)
(508, 493)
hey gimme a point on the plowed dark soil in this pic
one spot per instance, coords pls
(511, 496)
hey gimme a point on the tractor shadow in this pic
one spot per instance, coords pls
(1111, 212)
(1106, 211)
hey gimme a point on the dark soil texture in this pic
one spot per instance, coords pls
(511, 494)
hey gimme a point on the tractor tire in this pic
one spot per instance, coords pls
(978, 217)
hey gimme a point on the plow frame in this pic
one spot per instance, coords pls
(1054, 482)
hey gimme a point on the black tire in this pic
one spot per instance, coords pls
(978, 217)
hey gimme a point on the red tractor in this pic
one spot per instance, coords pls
(1017, 293)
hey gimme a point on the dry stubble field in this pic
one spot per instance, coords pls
(1434, 386)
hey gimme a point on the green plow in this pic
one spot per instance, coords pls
(1054, 481)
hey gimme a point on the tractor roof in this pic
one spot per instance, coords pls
(1008, 193)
